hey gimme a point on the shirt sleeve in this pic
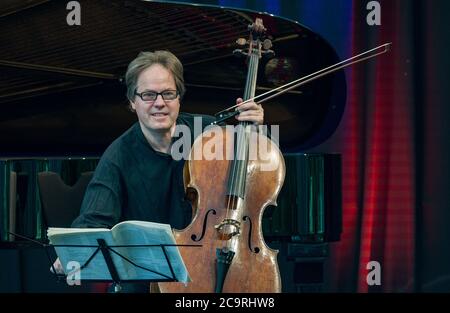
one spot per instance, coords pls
(103, 200)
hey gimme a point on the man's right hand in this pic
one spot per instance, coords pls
(58, 267)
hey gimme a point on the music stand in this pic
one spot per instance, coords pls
(107, 251)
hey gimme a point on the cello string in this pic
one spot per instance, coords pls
(234, 172)
(242, 135)
(236, 180)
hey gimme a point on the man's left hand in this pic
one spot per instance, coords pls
(250, 111)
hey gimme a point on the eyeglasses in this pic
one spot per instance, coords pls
(153, 95)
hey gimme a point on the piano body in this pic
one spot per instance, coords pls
(63, 100)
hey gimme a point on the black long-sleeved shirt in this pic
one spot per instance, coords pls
(135, 182)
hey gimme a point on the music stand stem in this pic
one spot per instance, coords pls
(109, 262)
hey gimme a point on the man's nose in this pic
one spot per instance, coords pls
(159, 101)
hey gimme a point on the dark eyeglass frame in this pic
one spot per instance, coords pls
(157, 94)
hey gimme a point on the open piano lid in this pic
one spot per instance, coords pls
(61, 89)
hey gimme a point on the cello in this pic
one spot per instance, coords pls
(230, 195)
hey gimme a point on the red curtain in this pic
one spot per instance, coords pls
(378, 158)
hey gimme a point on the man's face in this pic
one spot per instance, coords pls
(159, 115)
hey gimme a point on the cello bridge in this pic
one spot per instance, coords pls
(228, 228)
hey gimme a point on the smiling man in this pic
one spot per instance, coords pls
(155, 97)
(137, 178)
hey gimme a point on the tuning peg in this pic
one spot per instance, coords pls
(241, 41)
(267, 44)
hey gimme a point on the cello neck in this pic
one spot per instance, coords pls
(252, 74)
(238, 169)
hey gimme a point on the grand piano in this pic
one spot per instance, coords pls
(62, 96)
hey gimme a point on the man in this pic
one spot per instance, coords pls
(137, 178)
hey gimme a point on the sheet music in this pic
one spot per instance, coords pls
(97, 268)
(140, 233)
(124, 233)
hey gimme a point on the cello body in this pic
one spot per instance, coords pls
(254, 266)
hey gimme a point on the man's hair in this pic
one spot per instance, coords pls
(146, 59)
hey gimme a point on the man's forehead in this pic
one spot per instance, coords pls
(157, 74)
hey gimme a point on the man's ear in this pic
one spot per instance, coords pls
(132, 106)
